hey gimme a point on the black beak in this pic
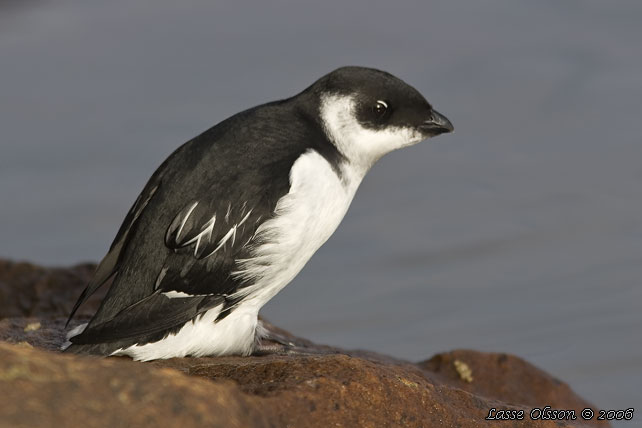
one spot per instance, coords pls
(437, 124)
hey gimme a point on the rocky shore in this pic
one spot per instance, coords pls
(41, 387)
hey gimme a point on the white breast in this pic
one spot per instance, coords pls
(304, 219)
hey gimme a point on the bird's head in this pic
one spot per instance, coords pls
(367, 113)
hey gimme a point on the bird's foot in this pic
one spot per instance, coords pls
(279, 344)
(271, 348)
(281, 339)
(273, 343)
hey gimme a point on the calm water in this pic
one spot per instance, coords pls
(521, 232)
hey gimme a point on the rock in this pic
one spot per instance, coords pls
(55, 390)
(506, 378)
(327, 387)
(50, 336)
(29, 290)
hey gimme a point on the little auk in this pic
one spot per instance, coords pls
(233, 215)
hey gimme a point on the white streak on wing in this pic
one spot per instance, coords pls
(209, 227)
(227, 214)
(160, 277)
(173, 294)
(223, 240)
(180, 229)
(198, 241)
(244, 218)
(176, 294)
(71, 333)
(230, 234)
(76, 330)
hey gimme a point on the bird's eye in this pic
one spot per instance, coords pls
(380, 108)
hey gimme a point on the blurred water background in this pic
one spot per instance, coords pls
(520, 233)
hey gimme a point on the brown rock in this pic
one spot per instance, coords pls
(505, 378)
(42, 389)
(328, 387)
(29, 290)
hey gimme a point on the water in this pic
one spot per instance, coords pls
(520, 233)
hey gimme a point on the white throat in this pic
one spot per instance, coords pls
(361, 146)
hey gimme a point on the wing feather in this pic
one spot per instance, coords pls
(154, 314)
(109, 264)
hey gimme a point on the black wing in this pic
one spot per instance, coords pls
(175, 254)
(148, 317)
(202, 243)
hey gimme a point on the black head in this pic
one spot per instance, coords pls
(368, 112)
(382, 100)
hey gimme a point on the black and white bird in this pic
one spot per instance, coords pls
(233, 215)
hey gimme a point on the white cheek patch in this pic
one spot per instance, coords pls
(360, 145)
